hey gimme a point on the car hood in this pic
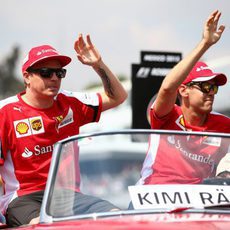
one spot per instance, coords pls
(167, 221)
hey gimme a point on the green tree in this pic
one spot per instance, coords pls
(9, 84)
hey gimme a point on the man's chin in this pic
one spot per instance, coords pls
(206, 109)
(209, 109)
(52, 92)
(209, 106)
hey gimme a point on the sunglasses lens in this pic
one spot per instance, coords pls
(215, 88)
(46, 73)
(206, 87)
(60, 73)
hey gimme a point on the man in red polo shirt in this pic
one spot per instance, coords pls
(176, 159)
(33, 121)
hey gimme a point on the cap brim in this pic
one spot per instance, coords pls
(219, 78)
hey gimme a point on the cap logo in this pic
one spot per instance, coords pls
(46, 51)
(202, 68)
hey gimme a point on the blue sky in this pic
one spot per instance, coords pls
(120, 29)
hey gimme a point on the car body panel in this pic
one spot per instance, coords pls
(147, 221)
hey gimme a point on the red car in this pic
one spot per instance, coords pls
(111, 165)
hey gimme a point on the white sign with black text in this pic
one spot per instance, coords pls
(174, 196)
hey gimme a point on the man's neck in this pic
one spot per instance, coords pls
(193, 118)
(38, 102)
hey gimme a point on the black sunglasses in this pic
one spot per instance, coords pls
(48, 72)
(205, 86)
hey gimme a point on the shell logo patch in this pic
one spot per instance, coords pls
(22, 128)
(28, 127)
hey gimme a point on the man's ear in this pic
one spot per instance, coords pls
(182, 90)
(26, 77)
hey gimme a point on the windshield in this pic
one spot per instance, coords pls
(137, 170)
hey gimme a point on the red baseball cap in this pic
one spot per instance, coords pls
(202, 72)
(41, 53)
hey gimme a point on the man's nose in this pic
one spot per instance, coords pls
(54, 76)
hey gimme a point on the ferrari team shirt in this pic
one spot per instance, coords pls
(180, 159)
(28, 136)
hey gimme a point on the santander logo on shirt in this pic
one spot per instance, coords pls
(27, 153)
(184, 149)
(37, 150)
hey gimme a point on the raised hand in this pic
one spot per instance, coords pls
(86, 51)
(212, 33)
